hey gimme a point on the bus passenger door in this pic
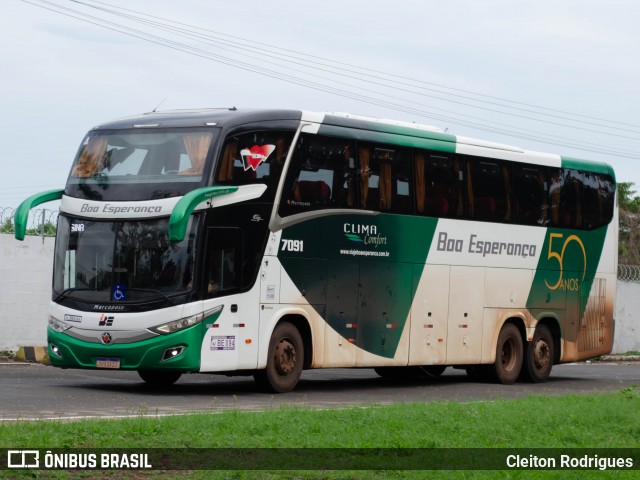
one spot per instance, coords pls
(466, 302)
(429, 312)
(225, 345)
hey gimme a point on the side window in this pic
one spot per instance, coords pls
(580, 199)
(566, 196)
(256, 157)
(488, 190)
(224, 261)
(591, 204)
(606, 192)
(439, 188)
(385, 178)
(321, 175)
(530, 195)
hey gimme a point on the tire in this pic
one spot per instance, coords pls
(284, 360)
(509, 355)
(481, 373)
(434, 370)
(540, 355)
(159, 378)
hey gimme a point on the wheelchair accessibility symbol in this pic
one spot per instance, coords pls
(119, 293)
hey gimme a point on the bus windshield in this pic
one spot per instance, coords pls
(122, 261)
(163, 162)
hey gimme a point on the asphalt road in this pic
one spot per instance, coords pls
(32, 391)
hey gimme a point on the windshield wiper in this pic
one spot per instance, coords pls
(151, 290)
(67, 291)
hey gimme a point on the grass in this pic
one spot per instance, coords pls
(609, 420)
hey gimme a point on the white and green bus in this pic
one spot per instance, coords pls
(267, 242)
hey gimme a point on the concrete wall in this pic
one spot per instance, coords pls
(25, 292)
(627, 334)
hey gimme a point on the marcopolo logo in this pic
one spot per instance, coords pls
(109, 308)
(366, 234)
(105, 321)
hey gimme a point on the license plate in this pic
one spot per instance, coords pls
(224, 342)
(107, 363)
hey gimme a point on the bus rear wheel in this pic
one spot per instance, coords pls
(540, 355)
(284, 360)
(509, 354)
(159, 378)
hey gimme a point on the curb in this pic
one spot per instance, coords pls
(41, 355)
(33, 355)
(620, 358)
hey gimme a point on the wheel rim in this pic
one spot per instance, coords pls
(509, 355)
(541, 354)
(285, 356)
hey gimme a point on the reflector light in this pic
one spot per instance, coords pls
(55, 350)
(172, 352)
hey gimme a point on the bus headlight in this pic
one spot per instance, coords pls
(186, 322)
(177, 325)
(58, 325)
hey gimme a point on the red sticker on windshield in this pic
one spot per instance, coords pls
(254, 156)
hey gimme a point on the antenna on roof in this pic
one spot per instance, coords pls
(153, 111)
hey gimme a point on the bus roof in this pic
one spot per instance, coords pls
(231, 117)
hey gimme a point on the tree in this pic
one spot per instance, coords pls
(49, 230)
(627, 198)
(629, 240)
(7, 226)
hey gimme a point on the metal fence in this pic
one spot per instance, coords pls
(42, 221)
(629, 273)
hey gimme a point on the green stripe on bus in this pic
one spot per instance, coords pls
(404, 130)
(565, 273)
(361, 270)
(588, 166)
(445, 144)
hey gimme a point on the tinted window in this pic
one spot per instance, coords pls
(384, 178)
(530, 195)
(224, 261)
(606, 191)
(256, 157)
(439, 188)
(488, 190)
(322, 175)
(565, 195)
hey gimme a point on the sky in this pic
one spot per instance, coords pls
(557, 76)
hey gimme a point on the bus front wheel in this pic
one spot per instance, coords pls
(540, 354)
(509, 354)
(159, 378)
(284, 361)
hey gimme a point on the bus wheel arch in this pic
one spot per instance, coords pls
(509, 352)
(302, 324)
(286, 355)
